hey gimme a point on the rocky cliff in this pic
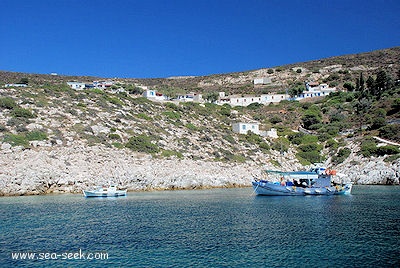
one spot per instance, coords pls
(71, 169)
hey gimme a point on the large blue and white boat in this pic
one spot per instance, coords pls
(317, 181)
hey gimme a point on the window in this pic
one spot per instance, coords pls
(244, 127)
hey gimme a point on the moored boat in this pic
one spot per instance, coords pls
(317, 181)
(102, 191)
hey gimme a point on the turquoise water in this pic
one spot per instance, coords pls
(204, 228)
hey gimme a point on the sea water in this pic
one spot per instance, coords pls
(203, 228)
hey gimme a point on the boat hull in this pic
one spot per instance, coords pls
(273, 189)
(104, 193)
(269, 188)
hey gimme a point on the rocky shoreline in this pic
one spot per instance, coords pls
(71, 169)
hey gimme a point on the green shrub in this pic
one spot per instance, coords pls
(170, 153)
(275, 119)
(264, 147)
(324, 136)
(387, 150)
(254, 106)
(368, 147)
(341, 156)
(296, 138)
(281, 144)
(115, 100)
(118, 145)
(7, 103)
(144, 116)
(227, 156)
(253, 138)
(392, 158)
(16, 140)
(22, 112)
(114, 136)
(229, 139)
(172, 115)
(331, 130)
(192, 127)
(173, 106)
(310, 147)
(332, 144)
(300, 138)
(225, 111)
(142, 143)
(311, 117)
(378, 122)
(36, 135)
(391, 132)
(82, 105)
(311, 156)
(141, 100)
(239, 158)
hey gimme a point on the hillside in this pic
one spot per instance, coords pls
(54, 138)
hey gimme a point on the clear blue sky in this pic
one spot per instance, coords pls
(160, 38)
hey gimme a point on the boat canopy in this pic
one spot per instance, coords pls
(290, 172)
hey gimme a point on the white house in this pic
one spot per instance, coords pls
(314, 89)
(15, 85)
(268, 98)
(243, 128)
(190, 97)
(243, 100)
(272, 133)
(236, 100)
(154, 95)
(103, 84)
(76, 85)
(262, 81)
(315, 86)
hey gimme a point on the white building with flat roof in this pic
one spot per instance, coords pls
(262, 81)
(76, 85)
(244, 128)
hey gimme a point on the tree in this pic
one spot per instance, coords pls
(361, 83)
(211, 97)
(397, 82)
(349, 86)
(362, 107)
(296, 91)
(381, 83)
(24, 80)
(370, 83)
(311, 117)
(357, 84)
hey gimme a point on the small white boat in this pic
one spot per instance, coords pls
(101, 191)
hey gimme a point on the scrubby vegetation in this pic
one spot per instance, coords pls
(367, 105)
